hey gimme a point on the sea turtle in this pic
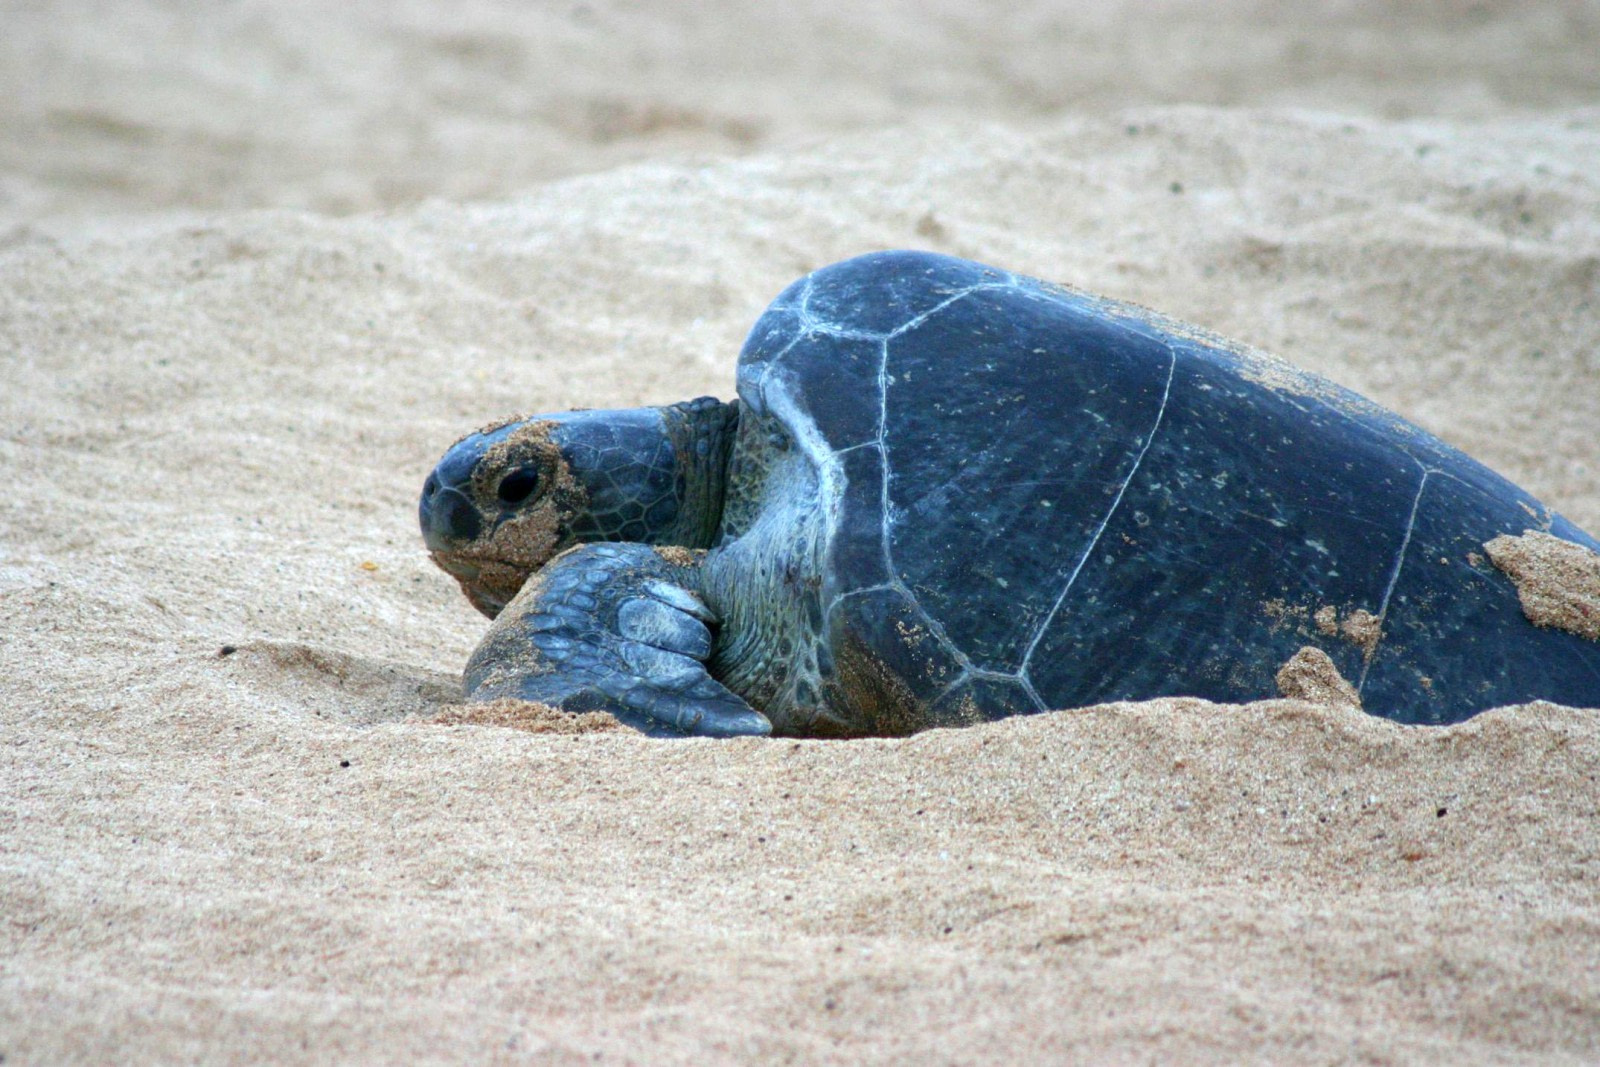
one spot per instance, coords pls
(948, 494)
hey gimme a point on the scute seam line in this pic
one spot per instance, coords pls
(1161, 412)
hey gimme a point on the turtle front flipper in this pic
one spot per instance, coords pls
(615, 628)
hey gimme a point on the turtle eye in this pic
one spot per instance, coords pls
(517, 486)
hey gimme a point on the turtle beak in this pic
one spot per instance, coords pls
(449, 519)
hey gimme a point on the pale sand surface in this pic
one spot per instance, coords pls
(215, 424)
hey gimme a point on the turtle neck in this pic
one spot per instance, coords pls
(702, 432)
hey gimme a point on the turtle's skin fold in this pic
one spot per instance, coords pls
(948, 494)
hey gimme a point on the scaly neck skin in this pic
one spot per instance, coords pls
(702, 433)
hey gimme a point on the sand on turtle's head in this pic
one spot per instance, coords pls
(494, 567)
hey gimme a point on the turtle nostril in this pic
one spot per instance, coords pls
(448, 520)
(431, 486)
(517, 486)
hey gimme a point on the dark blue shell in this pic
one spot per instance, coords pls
(1051, 500)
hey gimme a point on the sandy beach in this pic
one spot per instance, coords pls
(260, 266)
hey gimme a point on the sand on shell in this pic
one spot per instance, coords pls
(243, 820)
(1558, 582)
(1311, 675)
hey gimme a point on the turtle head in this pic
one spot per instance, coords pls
(507, 498)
